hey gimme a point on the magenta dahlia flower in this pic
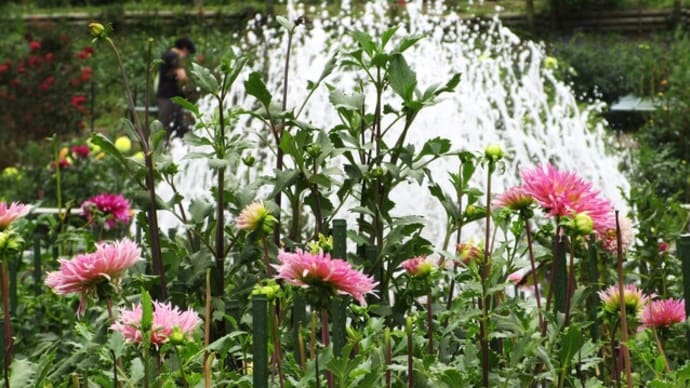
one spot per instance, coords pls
(168, 320)
(662, 313)
(114, 207)
(418, 266)
(563, 193)
(514, 198)
(81, 151)
(9, 213)
(307, 270)
(84, 273)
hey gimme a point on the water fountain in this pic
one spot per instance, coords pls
(506, 95)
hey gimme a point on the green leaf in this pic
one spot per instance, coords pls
(408, 42)
(351, 102)
(146, 311)
(22, 373)
(129, 129)
(387, 35)
(199, 210)
(437, 146)
(571, 341)
(365, 41)
(116, 343)
(108, 147)
(285, 22)
(205, 78)
(402, 79)
(186, 104)
(256, 87)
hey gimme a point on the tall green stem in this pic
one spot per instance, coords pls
(326, 340)
(156, 257)
(7, 323)
(535, 280)
(624, 318)
(180, 363)
(484, 273)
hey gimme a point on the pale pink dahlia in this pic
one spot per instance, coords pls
(9, 213)
(418, 266)
(609, 239)
(84, 273)
(563, 193)
(662, 313)
(308, 270)
(516, 277)
(635, 300)
(114, 207)
(167, 320)
(514, 198)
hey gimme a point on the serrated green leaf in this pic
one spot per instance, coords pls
(285, 22)
(186, 104)
(205, 78)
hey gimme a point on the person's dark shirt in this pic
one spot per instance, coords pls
(167, 80)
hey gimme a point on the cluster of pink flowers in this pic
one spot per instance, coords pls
(652, 313)
(565, 194)
(10, 213)
(114, 207)
(304, 269)
(85, 272)
(168, 320)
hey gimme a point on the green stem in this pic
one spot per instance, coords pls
(535, 280)
(7, 320)
(180, 363)
(326, 339)
(624, 318)
(484, 274)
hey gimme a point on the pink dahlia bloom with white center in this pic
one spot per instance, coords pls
(9, 213)
(663, 313)
(114, 207)
(167, 319)
(563, 193)
(418, 266)
(84, 273)
(515, 198)
(304, 269)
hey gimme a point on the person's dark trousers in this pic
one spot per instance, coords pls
(170, 115)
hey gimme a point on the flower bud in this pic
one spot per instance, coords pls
(493, 152)
(97, 30)
(123, 144)
(177, 336)
(249, 160)
(138, 156)
(583, 224)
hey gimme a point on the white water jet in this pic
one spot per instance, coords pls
(506, 95)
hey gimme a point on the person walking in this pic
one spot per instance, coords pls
(171, 77)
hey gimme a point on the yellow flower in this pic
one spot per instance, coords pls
(94, 148)
(550, 62)
(100, 156)
(138, 156)
(123, 144)
(10, 171)
(63, 153)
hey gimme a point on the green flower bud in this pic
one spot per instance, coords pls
(249, 160)
(583, 224)
(97, 30)
(177, 336)
(493, 152)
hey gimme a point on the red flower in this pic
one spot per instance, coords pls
(77, 102)
(34, 60)
(89, 50)
(81, 151)
(35, 45)
(4, 67)
(63, 163)
(48, 57)
(82, 55)
(86, 74)
(47, 83)
(75, 82)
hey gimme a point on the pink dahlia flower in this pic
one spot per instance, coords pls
(516, 277)
(308, 270)
(84, 273)
(563, 193)
(114, 207)
(168, 320)
(609, 239)
(635, 300)
(418, 266)
(662, 313)
(9, 214)
(515, 198)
